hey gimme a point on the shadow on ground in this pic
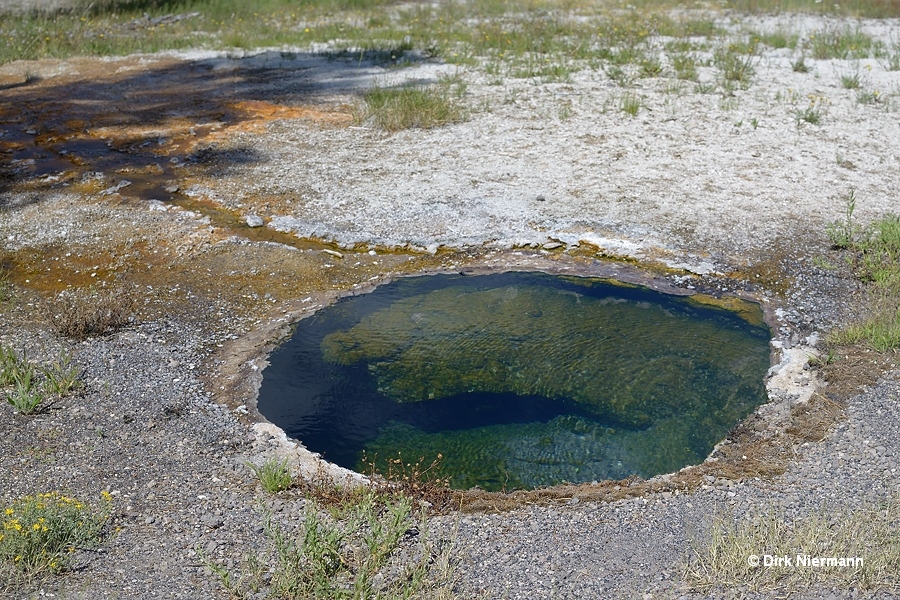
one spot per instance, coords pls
(96, 123)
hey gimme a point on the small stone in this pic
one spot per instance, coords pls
(112, 190)
(551, 245)
(212, 521)
(540, 198)
(254, 221)
(171, 189)
(334, 253)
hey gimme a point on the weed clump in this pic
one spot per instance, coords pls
(40, 533)
(79, 315)
(372, 545)
(27, 386)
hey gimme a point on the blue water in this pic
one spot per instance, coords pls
(518, 380)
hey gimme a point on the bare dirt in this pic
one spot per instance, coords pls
(139, 173)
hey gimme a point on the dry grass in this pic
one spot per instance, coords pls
(872, 533)
(92, 312)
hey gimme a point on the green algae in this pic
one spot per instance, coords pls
(626, 361)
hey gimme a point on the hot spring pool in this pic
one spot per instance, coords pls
(519, 380)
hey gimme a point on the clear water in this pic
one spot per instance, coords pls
(518, 380)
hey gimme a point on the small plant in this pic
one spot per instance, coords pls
(61, 376)
(822, 360)
(685, 66)
(25, 397)
(891, 59)
(851, 80)
(273, 475)
(630, 104)
(813, 112)
(10, 365)
(799, 65)
(40, 533)
(754, 122)
(25, 393)
(844, 233)
(736, 68)
(651, 67)
(705, 87)
(619, 75)
(868, 97)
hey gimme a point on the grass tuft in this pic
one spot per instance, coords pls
(61, 376)
(736, 67)
(274, 476)
(407, 107)
(630, 104)
(20, 378)
(799, 65)
(813, 112)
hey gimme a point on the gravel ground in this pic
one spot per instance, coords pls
(166, 420)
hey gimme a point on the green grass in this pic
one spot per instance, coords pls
(723, 560)
(868, 97)
(799, 65)
(777, 39)
(62, 376)
(11, 365)
(41, 532)
(274, 476)
(685, 66)
(352, 553)
(27, 387)
(875, 253)
(394, 109)
(630, 104)
(851, 80)
(735, 64)
(842, 43)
